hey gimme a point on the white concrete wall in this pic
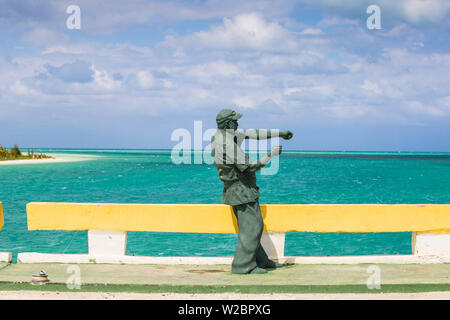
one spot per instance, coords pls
(107, 243)
(31, 257)
(110, 247)
(6, 257)
(431, 244)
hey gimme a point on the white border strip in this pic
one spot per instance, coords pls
(6, 257)
(32, 257)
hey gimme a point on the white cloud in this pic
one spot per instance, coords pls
(370, 87)
(68, 48)
(444, 103)
(104, 80)
(106, 16)
(416, 11)
(424, 109)
(250, 31)
(411, 11)
(244, 102)
(211, 71)
(323, 90)
(22, 90)
(200, 94)
(333, 21)
(44, 36)
(312, 31)
(248, 61)
(346, 111)
(145, 79)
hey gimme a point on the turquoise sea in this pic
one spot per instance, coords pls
(149, 176)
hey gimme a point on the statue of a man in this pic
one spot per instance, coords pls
(240, 191)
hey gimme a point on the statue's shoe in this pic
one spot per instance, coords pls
(258, 270)
(273, 265)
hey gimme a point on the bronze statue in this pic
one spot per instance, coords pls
(240, 191)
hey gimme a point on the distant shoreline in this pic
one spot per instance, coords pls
(284, 150)
(55, 159)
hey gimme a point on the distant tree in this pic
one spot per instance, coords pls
(3, 153)
(15, 152)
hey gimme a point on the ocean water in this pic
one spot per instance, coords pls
(149, 176)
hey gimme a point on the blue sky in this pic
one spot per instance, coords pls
(137, 70)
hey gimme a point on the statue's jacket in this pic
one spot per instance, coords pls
(234, 167)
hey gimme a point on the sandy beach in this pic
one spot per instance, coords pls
(57, 157)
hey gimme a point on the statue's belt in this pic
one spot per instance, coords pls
(228, 184)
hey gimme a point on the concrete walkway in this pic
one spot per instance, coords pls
(220, 275)
(44, 295)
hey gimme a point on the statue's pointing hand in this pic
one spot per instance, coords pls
(286, 135)
(276, 151)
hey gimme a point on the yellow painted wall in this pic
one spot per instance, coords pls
(1, 216)
(217, 218)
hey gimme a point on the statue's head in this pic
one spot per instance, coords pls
(228, 119)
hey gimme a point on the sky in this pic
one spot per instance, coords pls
(138, 70)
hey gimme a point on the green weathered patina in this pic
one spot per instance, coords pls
(237, 172)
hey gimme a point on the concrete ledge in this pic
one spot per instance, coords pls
(431, 244)
(218, 218)
(30, 257)
(376, 259)
(6, 257)
(107, 243)
(104, 243)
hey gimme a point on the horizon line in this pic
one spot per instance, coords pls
(295, 150)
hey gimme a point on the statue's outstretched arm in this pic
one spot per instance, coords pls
(261, 134)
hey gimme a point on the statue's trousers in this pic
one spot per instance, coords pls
(249, 251)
